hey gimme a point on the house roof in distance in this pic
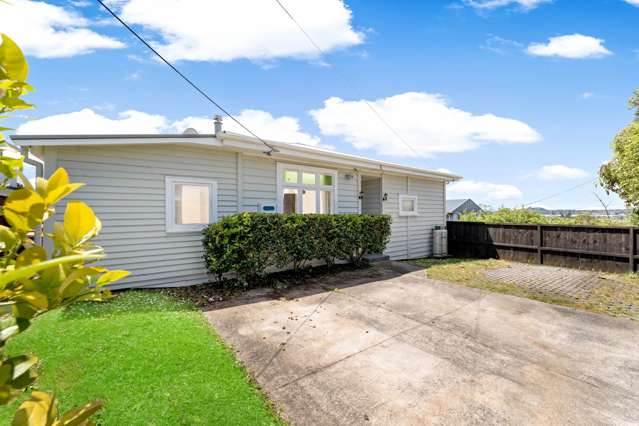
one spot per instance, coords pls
(239, 143)
(452, 205)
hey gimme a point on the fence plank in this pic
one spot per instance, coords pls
(610, 249)
(631, 250)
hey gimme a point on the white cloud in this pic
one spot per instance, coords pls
(225, 30)
(262, 123)
(87, 121)
(424, 120)
(586, 95)
(48, 31)
(483, 191)
(494, 4)
(560, 171)
(632, 2)
(573, 46)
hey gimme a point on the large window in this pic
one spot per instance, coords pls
(190, 203)
(306, 190)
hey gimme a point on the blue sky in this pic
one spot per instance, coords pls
(521, 97)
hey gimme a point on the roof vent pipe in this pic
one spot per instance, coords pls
(217, 121)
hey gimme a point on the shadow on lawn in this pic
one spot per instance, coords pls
(210, 296)
(128, 302)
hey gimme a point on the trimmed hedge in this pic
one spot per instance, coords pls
(251, 243)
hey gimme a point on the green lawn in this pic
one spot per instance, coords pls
(153, 360)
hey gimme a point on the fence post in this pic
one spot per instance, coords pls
(540, 244)
(631, 250)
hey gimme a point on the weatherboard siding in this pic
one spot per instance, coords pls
(411, 236)
(347, 192)
(125, 186)
(259, 182)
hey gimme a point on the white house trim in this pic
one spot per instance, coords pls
(406, 197)
(281, 185)
(235, 142)
(169, 191)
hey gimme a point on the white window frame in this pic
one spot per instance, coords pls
(404, 197)
(169, 192)
(281, 185)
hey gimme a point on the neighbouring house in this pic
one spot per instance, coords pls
(455, 208)
(155, 193)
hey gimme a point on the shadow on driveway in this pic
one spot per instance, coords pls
(390, 346)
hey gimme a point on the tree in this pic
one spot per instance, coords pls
(621, 173)
(32, 280)
(633, 103)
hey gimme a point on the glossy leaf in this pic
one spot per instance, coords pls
(80, 223)
(31, 270)
(12, 60)
(24, 210)
(31, 256)
(39, 410)
(111, 276)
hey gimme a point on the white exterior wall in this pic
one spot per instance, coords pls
(125, 186)
(347, 192)
(411, 236)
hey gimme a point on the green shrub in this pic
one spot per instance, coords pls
(251, 243)
(527, 216)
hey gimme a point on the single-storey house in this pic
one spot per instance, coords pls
(456, 208)
(155, 193)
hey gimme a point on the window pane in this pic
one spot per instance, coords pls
(408, 205)
(290, 201)
(308, 178)
(326, 179)
(290, 176)
(309, 202)
(191, 204)
(325, 202)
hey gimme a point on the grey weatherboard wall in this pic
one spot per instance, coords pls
(125, 185)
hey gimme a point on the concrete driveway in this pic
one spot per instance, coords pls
(389, 347)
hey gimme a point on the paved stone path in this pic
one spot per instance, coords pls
(570, 283)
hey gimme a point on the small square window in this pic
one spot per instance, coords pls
(408, 205)
(190, 203)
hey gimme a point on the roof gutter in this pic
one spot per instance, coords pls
(308, 153)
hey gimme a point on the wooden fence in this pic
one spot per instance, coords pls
(600, 248)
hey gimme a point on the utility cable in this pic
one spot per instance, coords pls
(572, 188)
(348, 80)
(185, 78)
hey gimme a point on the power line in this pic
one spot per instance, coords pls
(348, 80)
(572, 188)
(185, 78)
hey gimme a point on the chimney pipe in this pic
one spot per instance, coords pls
(217, 121)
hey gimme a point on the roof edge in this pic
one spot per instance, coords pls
(220, 141)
